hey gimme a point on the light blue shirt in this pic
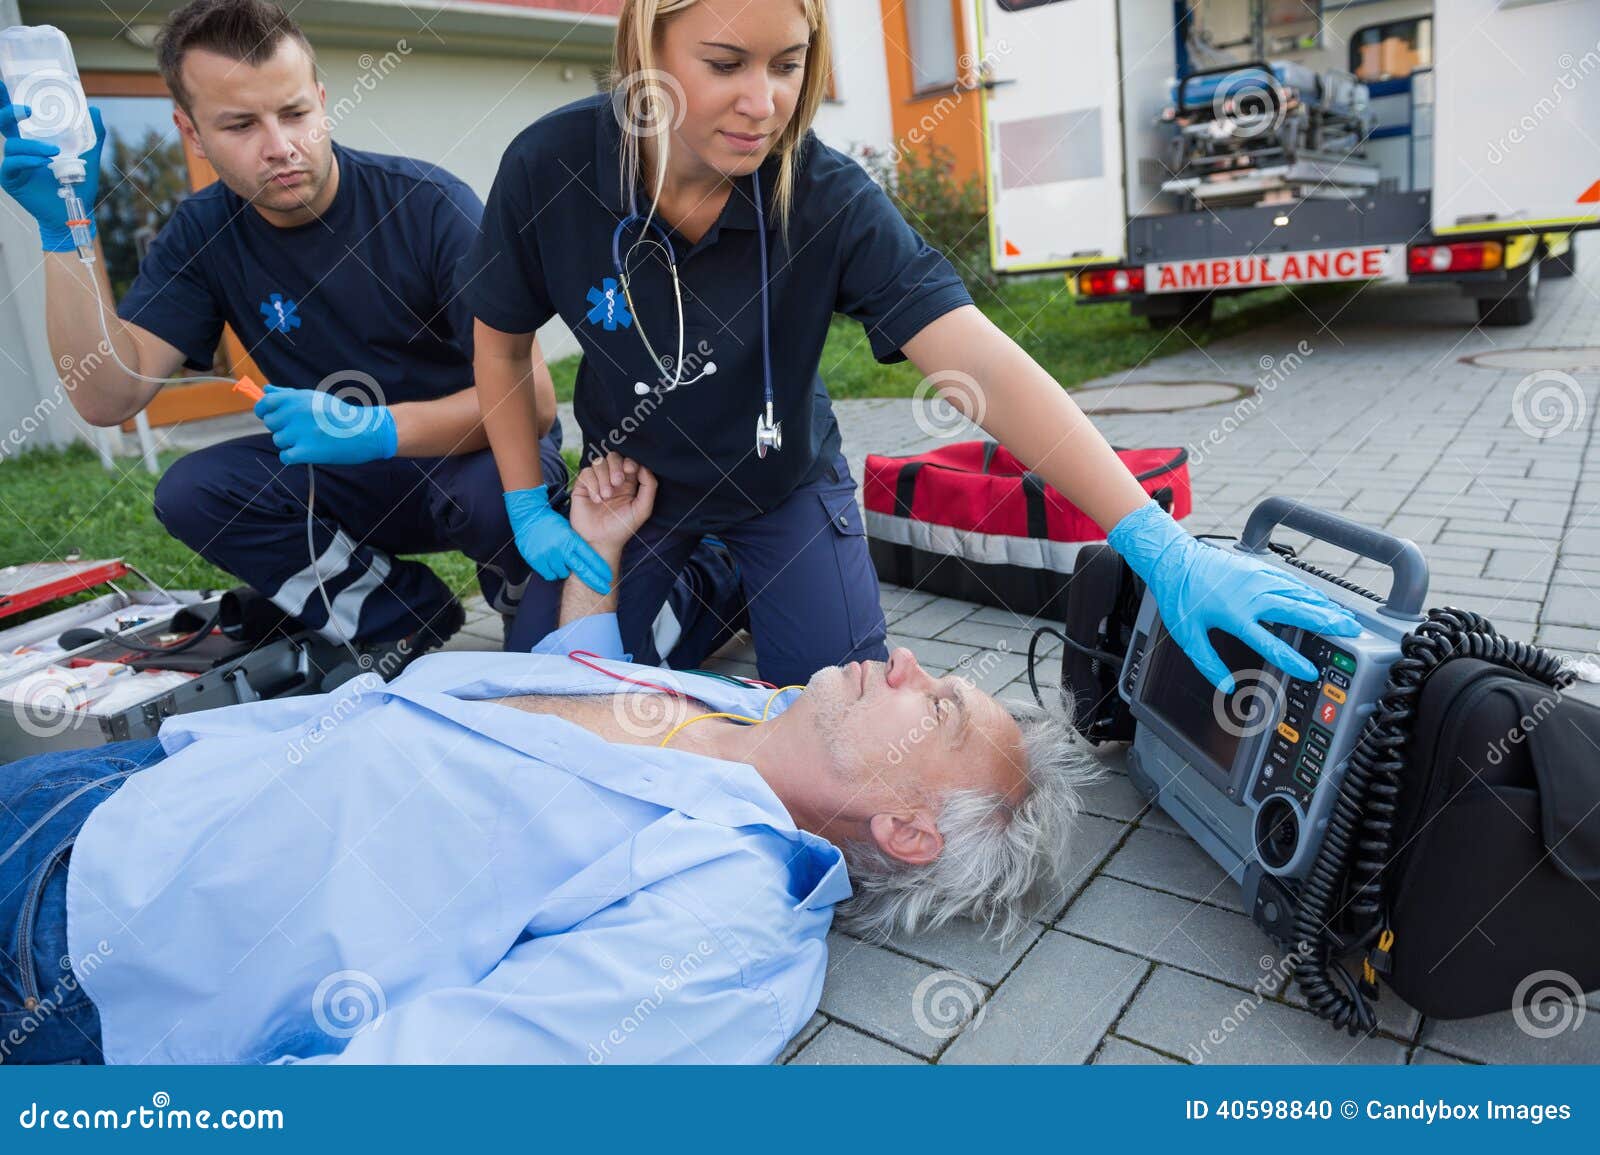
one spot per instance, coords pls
(402, 872)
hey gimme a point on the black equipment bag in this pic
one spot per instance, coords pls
(1498, 840)
(1463, 854)
(1101, 606)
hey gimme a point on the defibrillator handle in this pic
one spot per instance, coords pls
(1401, 555)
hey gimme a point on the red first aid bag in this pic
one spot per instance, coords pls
(967, 520)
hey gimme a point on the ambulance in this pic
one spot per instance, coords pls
(1168, 152)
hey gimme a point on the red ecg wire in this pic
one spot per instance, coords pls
(579, 655)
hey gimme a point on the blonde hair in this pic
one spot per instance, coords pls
(641, 93)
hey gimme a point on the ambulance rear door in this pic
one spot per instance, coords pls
(1053, 142)
(1517, 129)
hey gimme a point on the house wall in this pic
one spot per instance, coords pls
(860, 114)
(948, 118)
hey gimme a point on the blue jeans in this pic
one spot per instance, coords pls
(45, 1016)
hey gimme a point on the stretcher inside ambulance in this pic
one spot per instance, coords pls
(1220, 146)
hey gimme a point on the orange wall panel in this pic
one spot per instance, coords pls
(951, 117)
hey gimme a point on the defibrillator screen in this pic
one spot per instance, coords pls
(1210, 723)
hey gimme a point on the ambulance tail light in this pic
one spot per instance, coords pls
(1465, 257)
(1110, 282)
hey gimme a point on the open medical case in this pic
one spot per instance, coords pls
(93, 690)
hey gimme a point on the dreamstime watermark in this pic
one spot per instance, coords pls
(326, 722)
(974, 72)
(1248, 104)
(48, 703)
(649, 103)
(348, 1002)
(42, 1007)
(947, 403)
(944, 1003)
(1250, 708)
(373, 677)
(696, 363)
(55, 100)
(969, 671)
(1547, 403)
(1274, 372)
(643, 714)
(1573, 70)
(1274, 977)
(1525, 725)
(72, 372)
(677, 973)
(1548, 1003)
(159, 1115)
(361, 409)
(374, 70)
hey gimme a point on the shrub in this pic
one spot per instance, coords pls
(949, 214)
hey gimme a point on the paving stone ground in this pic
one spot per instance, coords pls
(1369, 407)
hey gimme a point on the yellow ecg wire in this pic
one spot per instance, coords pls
(702, 718)
(736, 717)
(774, 698)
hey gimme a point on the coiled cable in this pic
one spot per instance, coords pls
(1356, 849)
(1289, 558)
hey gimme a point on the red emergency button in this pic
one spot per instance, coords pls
(1327, 712)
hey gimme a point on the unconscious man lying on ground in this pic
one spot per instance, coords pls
(504, 857)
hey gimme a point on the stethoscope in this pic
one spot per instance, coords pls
(769, 432)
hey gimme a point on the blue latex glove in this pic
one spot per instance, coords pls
(549, 544)
(25, 174)
(311, 427)
(1199, 587)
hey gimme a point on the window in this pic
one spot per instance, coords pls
(145, 171)
(1392, 50)
(143, 176)
(931, 37)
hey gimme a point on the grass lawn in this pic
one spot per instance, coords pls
(1074, 344)
(55, 503)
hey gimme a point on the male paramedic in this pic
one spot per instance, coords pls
(335, 268)
(559, 856)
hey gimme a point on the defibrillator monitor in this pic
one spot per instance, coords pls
(1176, 696)
(1252, 774)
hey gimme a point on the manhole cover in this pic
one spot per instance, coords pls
(1156, 396)
(1575, 359)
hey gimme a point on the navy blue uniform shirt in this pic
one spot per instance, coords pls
(368, 287)
(546, 250)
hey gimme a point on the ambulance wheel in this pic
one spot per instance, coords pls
(1183, 310)
(1564, 265)
(1518, 305)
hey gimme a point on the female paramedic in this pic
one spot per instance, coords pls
(698, 238)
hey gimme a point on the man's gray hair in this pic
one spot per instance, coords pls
(999, 861)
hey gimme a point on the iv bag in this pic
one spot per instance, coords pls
(37, 67)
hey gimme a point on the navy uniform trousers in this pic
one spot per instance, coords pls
(244, 511)
(803, 574)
